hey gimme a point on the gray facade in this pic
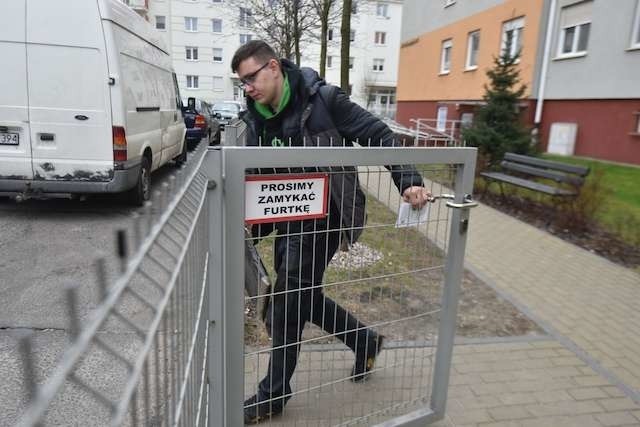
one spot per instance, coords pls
(609, 69)
(429, 15)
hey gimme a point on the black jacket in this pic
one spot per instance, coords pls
(319, 114)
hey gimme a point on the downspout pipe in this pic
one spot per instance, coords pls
(545, 61)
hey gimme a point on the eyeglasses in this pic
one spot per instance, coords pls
(250, 79)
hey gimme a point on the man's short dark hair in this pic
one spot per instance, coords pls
(257, 49)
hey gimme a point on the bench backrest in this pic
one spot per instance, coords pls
(559, 172)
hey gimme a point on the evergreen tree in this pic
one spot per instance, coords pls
(497, 128)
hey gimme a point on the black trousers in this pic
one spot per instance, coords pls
(302, 251)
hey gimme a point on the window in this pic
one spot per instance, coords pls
(192, 82)
(382, 10)
(329, 61)
(378, 65)
(381, 38)
(192, 53)
(352, 35)
(441, 123)
(190, 24)
(217, 83)
(216, 25)
(351, 61)
(217, 54)
(473, 46)
(244, 38)
(575, 24)
(216, 1)
(637, 113)
(330, 34)
(245, 17)
(354, 7)
(448, 3)
(512, 37)
(635, 40)
(161, 22)
(445, 58)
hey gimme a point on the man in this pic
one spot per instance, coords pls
(291, 106)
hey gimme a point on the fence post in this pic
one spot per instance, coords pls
(215, 280)
(454, 269)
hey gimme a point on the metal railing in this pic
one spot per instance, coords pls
(435, 133)
(175, 340)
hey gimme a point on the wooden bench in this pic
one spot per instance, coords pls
(518, 170)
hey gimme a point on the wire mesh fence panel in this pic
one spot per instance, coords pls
(342, 326)
(139, 357)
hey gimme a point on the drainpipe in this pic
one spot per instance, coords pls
(545, 61)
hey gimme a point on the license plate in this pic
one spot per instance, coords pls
(9, 138)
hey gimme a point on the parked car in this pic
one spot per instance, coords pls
(200, 122)
(90, 104)
(226, 111)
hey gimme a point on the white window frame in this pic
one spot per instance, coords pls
(164, 23)
(380, 38)
(384, 8)
(378, 65)
(468, 65)
(576, 39)
(518, 26)
(441, 118)
(193, 27)
(219, 79)
(221, 54)
(446, 44)
(193, 82)
(248, 38)
(191, 53)
(635, 35)
(213, 20)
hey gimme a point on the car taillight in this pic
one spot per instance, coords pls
(119, 144)
(200, 121)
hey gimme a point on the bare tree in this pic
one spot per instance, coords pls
(283, 24)
(324, 9)
(345, 33)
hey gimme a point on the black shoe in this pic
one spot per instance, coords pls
(365, 361)
(255, 412)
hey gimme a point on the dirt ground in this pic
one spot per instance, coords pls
(409, 310)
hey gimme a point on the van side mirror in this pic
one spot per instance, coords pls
(191, 104)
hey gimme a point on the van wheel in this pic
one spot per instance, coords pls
(142, 190)
(182, 158)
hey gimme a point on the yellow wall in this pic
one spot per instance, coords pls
(418, 78)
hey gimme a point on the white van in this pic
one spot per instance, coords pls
(88, 99)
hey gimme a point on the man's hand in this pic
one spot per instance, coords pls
(417, 196)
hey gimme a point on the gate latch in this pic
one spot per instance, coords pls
(467, 203)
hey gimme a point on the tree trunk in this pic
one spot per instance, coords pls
(324, 31)
(345, 42)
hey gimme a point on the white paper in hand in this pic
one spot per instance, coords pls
(408, 217)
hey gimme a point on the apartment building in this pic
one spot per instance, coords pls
(204, 34)
(580, 61)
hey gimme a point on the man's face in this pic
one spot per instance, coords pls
(260, 79)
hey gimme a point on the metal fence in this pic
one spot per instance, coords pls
(139, 358)
(196, 347)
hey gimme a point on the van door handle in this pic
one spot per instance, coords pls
(47, 137)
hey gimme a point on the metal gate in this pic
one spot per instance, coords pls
(396, 282)
(176, 341)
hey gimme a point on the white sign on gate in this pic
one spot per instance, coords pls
(275, 198)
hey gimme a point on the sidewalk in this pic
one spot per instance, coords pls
(588, 373)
